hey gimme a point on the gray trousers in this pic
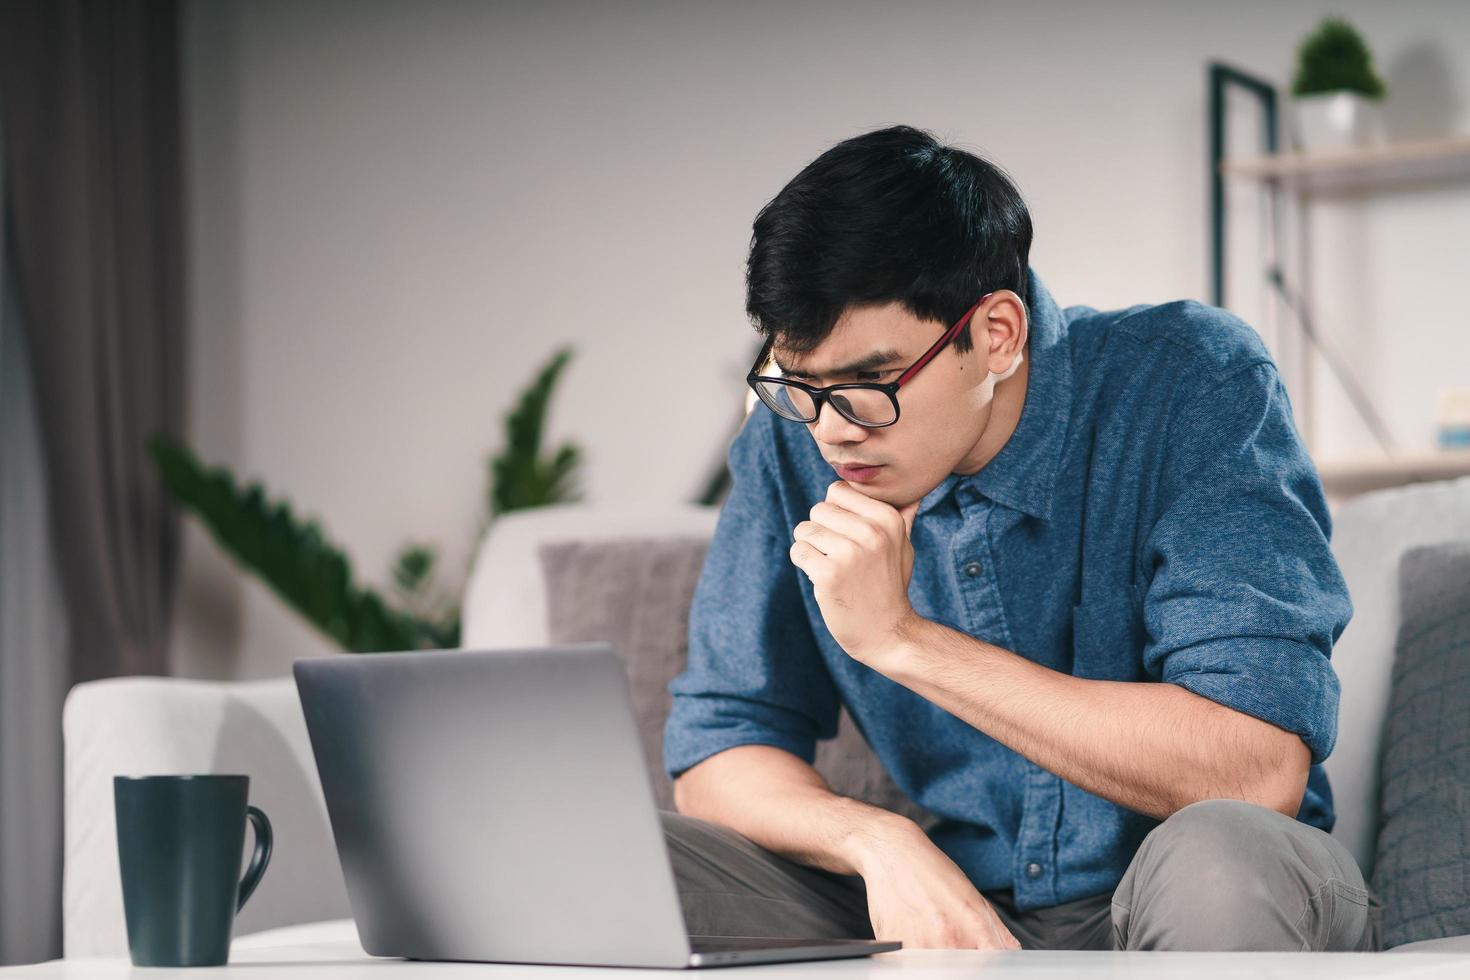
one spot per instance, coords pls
(1217, 875)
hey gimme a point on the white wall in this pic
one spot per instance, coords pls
(400, 209)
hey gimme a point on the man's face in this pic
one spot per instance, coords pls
(944, 409)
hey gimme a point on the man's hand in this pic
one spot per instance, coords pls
(857, 553)
(918, 895)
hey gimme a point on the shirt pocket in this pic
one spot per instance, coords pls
(1108, 636)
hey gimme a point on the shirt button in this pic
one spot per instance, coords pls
(1033, 870)
(972, 569)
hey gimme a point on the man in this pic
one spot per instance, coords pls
(1068, 570)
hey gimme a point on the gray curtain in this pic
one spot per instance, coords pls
(91, 365)
(33, 667)
(89, 98)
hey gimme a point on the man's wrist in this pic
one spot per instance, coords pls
(875, 833)
(901, 645)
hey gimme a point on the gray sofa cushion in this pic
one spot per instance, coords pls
(635, 594)
(1422, 869)
(1450, 944)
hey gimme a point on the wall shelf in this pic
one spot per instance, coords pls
(1345, 476)
(1443, 158)
(1302, 175)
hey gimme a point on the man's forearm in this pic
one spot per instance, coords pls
(781, 803)
(1153, 748)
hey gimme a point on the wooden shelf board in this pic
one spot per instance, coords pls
(1343, 476)
(1432, 159)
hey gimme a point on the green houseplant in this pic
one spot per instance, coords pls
(312, 575)
(1335, 89)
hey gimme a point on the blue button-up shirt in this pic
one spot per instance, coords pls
(1153, 518)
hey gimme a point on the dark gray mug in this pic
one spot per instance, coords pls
(179, 844)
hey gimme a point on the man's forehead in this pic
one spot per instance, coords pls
(863, 338)
(820, 362)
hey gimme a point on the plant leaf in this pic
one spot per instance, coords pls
(520, 477)
(414, 568)
(293, 557)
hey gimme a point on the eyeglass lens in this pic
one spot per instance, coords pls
(862, 405)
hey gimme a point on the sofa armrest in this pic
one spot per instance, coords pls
(1370, 535)
(144, 725)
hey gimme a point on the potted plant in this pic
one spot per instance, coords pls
(312, 574)
(1336, 92)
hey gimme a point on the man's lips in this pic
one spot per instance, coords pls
(857, 472)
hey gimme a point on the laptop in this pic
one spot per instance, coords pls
(494, 806)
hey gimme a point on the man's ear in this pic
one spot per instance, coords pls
(1000, 332)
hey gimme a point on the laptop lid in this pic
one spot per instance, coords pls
(493, 806)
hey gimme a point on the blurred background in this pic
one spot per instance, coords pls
(329, 245)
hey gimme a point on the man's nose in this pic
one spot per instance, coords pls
(834, 428)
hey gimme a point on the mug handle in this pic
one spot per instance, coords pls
(262, 856)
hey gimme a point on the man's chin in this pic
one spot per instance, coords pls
(896, 497)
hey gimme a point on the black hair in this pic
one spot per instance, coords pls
(893, 214)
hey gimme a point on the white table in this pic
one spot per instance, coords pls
(330, 950)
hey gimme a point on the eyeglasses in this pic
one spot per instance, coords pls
(869, 404)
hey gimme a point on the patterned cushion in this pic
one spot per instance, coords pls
(635, 595)
(1422, 869)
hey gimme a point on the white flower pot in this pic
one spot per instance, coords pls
(1335, 121)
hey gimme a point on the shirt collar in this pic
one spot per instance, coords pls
(1022, 476)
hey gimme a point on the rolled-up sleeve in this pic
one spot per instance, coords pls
(754, 674)
(1243, 598)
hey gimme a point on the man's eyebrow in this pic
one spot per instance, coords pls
(874, 360)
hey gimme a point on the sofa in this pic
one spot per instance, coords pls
(626, 575)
